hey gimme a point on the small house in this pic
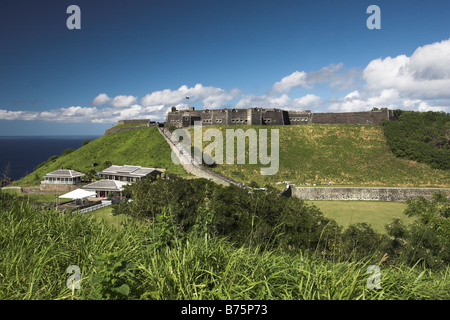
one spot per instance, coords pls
(63, 176)
(128, 173)
(104, 187)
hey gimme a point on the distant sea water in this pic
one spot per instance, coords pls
(24, 153)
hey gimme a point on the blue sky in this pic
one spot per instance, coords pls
(136, 59)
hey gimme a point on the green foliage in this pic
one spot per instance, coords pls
(107, 164)
(85, 142)
(420, 136)
(361, 241)
(49, 160)
(113, 277)
(427, 240)
(91, 174)
(37, 246)
(66, 152)
(261, 218)
(165, 230)
(204, 224)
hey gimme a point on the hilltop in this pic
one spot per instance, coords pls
(143, 147)
(356, 155)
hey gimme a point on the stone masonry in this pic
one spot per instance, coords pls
(260, 116)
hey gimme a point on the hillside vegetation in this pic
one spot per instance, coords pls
(355, 155)
(352, 155)
(420, 136)
(143, 147)
(154, 255)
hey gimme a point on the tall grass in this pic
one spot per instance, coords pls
(36, 247)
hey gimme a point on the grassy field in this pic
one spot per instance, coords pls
(376, 213)
(343, 154)
(143, 147)
(104, 215)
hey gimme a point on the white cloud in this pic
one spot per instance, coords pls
(211, 97)
(123, 101)
(295, 79)
(424, 75)
(310, 101)
(101, 99)
(336, 75)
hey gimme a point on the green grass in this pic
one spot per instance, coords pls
(128, 125)
(376, 213)
(37, 247)
(355, 155)
(11, 191)
(143, 147)
(105, 215)
(39, 197)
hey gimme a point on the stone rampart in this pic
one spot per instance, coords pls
(134, 121)
(374, 194)
(114, 130)
(364, 117)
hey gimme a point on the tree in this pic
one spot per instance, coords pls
(427, 239)
(6, 171)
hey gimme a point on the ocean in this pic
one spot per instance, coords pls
(24, 153)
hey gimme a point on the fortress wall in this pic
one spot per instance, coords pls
(134, 121)
(260, 116)
(378, 194)
(299, 117)
(273, 117)
(364, 117)
(114, 130)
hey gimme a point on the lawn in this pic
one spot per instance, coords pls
(40, 197)
(105, 215)
(376, 213)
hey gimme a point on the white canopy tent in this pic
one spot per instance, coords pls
(78, 194)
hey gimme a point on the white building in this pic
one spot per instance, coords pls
(129, 173)
(63, 176)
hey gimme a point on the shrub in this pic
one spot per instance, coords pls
(66, 152)
(427, 240)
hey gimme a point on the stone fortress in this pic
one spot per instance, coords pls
(260, 116)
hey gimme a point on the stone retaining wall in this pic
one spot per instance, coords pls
(380, 194)
(59, 187)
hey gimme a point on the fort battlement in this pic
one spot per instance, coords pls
(260, 116)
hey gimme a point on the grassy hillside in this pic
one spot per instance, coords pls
(143, 147)
(343, 154)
